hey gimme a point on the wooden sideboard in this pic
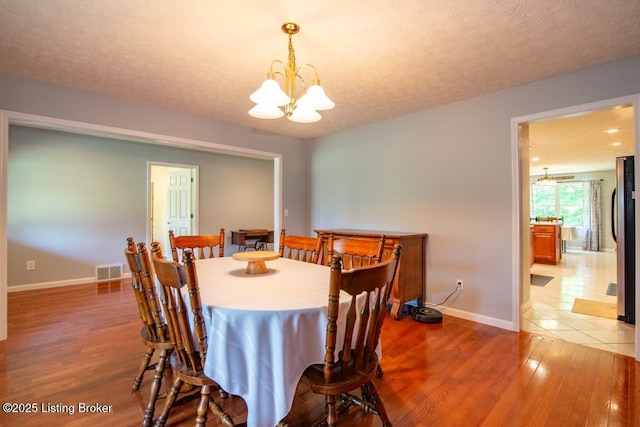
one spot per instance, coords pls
(411, 276)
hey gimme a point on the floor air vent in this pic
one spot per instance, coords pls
(105, 273)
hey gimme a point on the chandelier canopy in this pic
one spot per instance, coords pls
(270, 97)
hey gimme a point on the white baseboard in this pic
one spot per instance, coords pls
(478, 318)
(61, 283)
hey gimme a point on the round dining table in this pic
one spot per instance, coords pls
(263, 330)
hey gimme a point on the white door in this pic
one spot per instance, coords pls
(173, 190)
(179, 206)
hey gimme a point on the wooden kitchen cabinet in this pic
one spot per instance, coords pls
(546, 243)
(411, 275)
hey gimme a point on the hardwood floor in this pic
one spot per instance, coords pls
(80, 345)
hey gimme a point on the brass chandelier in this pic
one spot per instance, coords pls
(270, 97)
(546, 179)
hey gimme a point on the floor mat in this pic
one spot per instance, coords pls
(540, 280)
(607, 310)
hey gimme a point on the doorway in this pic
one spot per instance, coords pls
(554, 317)
(8, 118)
(173, 192)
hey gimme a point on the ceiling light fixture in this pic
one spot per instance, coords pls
(270, 97)
(546, 180)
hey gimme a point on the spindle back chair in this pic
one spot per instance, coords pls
(352, 363)
(201, 245)
(355, 252)
(300, 248)
(189, 337)
(154, 333)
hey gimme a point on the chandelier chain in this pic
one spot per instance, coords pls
(290, 79)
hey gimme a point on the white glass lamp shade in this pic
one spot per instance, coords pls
(270, 93)
(303, 114)
(316, 99)
(266, 111)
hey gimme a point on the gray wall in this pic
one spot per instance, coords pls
(73, 199)
(27, 96)
(447, 171)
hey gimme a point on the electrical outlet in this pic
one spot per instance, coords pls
(31, 265)
(459, 284)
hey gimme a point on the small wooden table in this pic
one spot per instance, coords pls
(260, 238)
(256, 260)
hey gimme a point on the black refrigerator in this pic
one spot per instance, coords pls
(624, 231)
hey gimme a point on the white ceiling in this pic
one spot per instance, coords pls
(376, 59)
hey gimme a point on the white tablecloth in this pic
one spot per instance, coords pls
(567, 233)
(263, 330)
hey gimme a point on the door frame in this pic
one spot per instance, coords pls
(8, 118)
(152, 191)
(520, 203)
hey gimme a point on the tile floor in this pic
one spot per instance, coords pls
(580, 274)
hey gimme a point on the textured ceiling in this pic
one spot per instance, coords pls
(580, 143)
(376, 59)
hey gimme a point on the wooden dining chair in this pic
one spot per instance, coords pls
(351, 364)
(189, 338)
(300, 248)
(201, 245)
(355, 252)
(154, 331)
(548, 219)
(156, 250)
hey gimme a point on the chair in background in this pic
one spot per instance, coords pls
(300, 248)
(357, 361)
(154, 332)
(548, 219)
(355, 253)
(156, 250)
(189, 338)
(201, 245)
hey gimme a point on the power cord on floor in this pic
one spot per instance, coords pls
(427, 313)
(430, 304)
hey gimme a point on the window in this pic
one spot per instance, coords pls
(564, 200)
